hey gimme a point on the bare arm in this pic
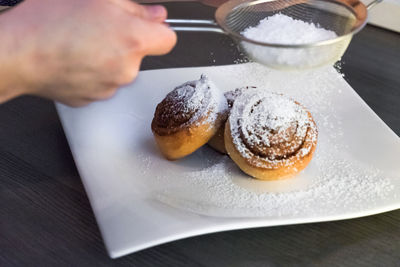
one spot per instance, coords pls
(74, 51)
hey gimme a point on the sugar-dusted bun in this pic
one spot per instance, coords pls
(188, 117)
(270, 136)
(217, 141)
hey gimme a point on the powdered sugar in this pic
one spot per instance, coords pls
(284, 30)
(217, 191)
(190, 103)
(334, 182)
(200, 96)
(260, 119)
(233, 94)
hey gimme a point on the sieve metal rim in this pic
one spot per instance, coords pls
(225, 9)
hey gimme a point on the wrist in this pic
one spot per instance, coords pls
(11, 77)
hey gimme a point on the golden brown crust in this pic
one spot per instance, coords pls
(185, 141)
(217, 141)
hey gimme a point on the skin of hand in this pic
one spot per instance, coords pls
(213, 3)
(76, 52)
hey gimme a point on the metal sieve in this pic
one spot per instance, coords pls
(344, 17)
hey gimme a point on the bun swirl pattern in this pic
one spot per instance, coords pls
(269, 135)
(188, 117)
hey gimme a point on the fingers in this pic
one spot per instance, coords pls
(69, 95)
(155, 38)
(147, 32)
(74, 103)
(155, 13)
(213, 3)
(80, 101)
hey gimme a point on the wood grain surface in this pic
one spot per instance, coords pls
(46, 219)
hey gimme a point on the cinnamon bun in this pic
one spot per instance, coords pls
(270, 136)
(217, 141)
(188, 117)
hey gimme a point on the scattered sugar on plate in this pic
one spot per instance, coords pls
(285, 30)
(213, 191)
(209, 183)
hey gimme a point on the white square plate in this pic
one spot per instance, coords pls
(141, 200)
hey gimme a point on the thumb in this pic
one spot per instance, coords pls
(156, 13)
(156, 38)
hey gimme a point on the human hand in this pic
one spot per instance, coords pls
(213, 3)
(75, 51)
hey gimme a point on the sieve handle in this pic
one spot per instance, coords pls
(373, 3)
(194, 25)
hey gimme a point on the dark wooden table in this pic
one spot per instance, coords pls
(46, 219)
